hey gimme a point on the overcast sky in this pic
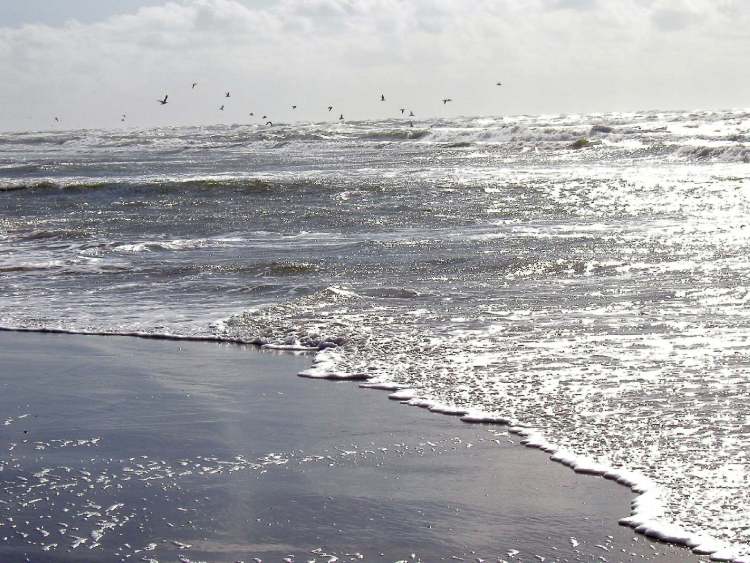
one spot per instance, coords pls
(89, 61)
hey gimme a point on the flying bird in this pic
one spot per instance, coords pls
(57, 119)
(294, 107)
(194, 85)
(446, 100)
(264, 117)
(499, 84)
(269, 123)
(411, 114)
(382, 97)
(403, 110)
(330, 108)
(341, 117)
(164, 101)
(251, 114)
(227, 95)
(221, 108)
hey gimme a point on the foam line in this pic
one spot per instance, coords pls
(134, 334)
(481, 417)
(323, 367)
(403, 395)
(448, 409)
(646, 507)
(297, 347)
(381, 386)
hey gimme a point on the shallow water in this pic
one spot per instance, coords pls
(126, 449)
(596, 295)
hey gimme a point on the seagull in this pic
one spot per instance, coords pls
(123, 117)
(294, 107)
(264, 117)
(330, 108)
(382, 97)
(403, 110)
(221, 108)
(446, 100)
(269, 123)
(499, 84)
(194, 85)
(164, 101)
(57, 119)
(341, 117)
(227, 95)
(251, 114)
(411, 114)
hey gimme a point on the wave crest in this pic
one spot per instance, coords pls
(731, 153)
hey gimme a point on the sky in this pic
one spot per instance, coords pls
(90, 61)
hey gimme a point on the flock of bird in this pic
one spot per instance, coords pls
(165, 100)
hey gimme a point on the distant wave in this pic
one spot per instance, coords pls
(174, 244)
(51, 234)
(282, 135)
(156, 183)
(38, 139)
(52, 184)
(653, 134)
(731, 153)
(19, 168)
(30, 266)
(397, 134)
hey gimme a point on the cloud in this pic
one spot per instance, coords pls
(574, 4)
(676, 15)
(553, 55)
(673, 20)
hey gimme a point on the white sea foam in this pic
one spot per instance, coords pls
(647, 507)
(176, 244)
(652, 508)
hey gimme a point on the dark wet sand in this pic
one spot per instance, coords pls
(130, 450)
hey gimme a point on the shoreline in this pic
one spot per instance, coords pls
(416, 416)
(643, 516)
(645, 501)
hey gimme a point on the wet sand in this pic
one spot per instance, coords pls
(115, 448)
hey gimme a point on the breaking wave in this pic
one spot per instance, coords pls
(736, 153)
(145, 182)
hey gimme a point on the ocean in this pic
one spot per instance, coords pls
(582, 278)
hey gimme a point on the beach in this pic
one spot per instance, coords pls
(120, 448)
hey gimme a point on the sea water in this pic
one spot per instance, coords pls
(583, 278)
